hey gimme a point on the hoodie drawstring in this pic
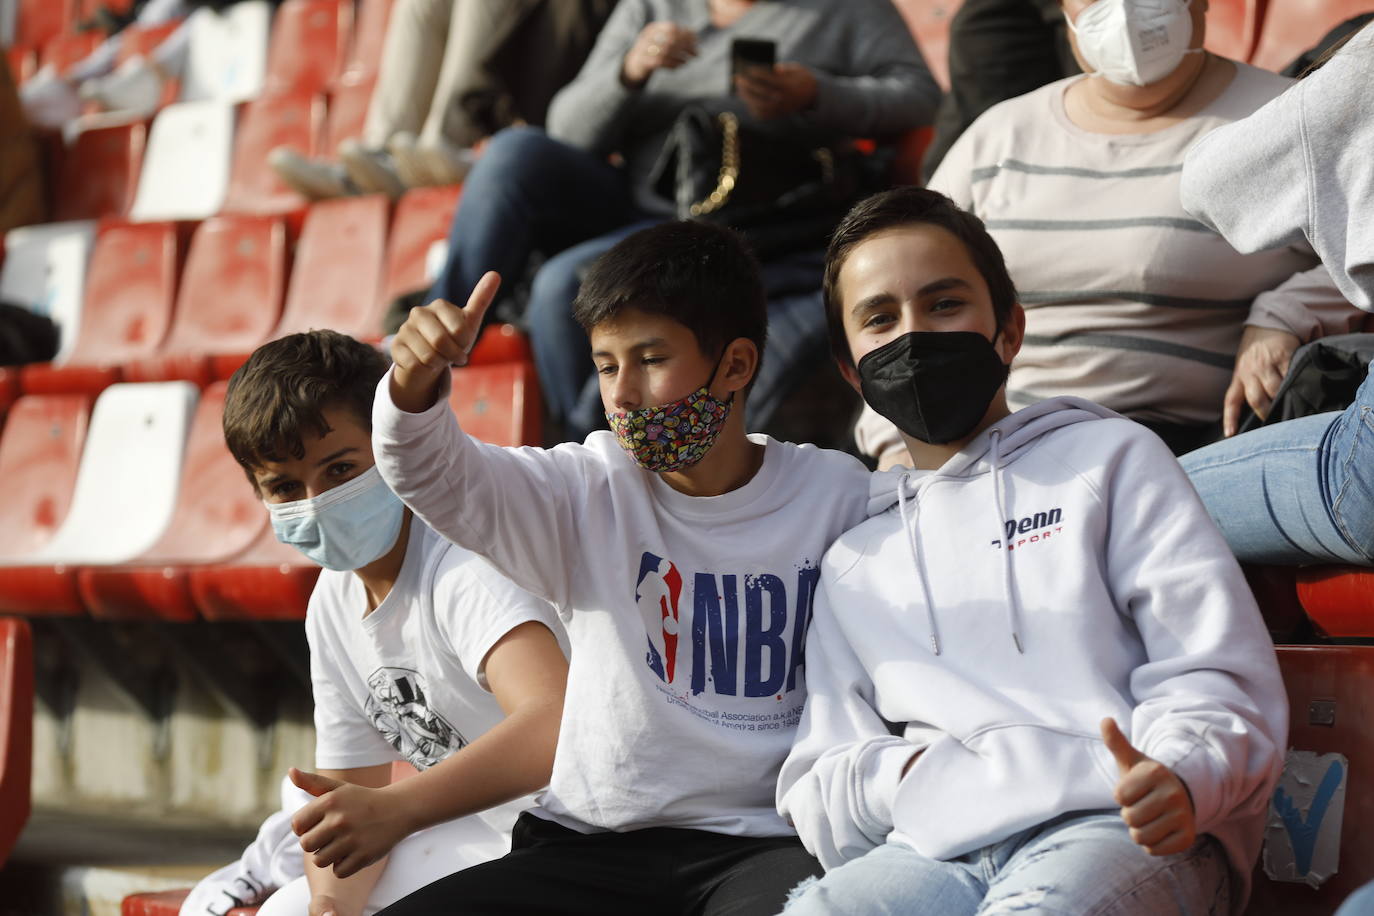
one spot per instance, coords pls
(1008, 593)
(911, 539)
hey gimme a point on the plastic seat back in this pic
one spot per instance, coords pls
(227, 55)
(268, 581)
(130, 291)
(45, 269)
(186, 166)
(37, 22)
(232, 286)
(16, 730)
(309, 40)
(929, 22)
(141, 40)
(295, 120)
(100, 172)
(1233, 27)
(1290, 27)
(365, 51)
(40, 451)
(217, 513)
(126, 487)
(337, 273)
(65, 50)
(422, 218)
(498, 403)
(23, 63)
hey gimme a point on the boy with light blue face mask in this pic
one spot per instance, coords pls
(420, 651)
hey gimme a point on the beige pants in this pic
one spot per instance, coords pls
(458, 70)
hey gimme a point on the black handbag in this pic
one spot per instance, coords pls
(781, 194)
(1323, 376)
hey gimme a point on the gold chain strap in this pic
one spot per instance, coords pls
(729, 167)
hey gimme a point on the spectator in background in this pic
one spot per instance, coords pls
(1297, 172)
(453, 72)
(847, 68)
(21, 178)
(1130, 301)
(998, 49)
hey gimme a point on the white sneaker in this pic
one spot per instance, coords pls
(49, 101)
(315, 178)
(422, 165)
(135, 87)
(370, 169)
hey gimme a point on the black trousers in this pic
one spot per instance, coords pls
(663, 871)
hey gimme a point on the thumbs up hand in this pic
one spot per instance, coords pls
(347, 826)
(1154, 802)
(434, 338)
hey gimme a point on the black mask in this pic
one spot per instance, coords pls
(934, 385)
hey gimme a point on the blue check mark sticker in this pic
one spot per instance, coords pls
(1302, 832)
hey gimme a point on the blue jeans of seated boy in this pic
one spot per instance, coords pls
(1079, 864)
(1300, 491)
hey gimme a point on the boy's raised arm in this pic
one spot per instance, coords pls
(838, 783)
(516, 507)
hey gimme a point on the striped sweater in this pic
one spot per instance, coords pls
(1130, 301)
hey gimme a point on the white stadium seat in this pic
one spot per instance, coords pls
(186, 165)
(45, 269)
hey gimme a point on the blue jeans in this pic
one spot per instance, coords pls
(1079, 864)
(1297, 492)
(528, 193)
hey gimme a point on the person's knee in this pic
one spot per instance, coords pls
(516, 149)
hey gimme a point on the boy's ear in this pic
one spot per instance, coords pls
(1013, 334)
(850, 373)
(738, 364)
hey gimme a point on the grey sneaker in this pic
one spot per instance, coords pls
(426, 165)
(371, 169)
(315, 178)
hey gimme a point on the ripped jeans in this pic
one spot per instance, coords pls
(1075, 865)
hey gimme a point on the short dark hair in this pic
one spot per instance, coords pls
(908, 206)
(695, 273)
(281, 392)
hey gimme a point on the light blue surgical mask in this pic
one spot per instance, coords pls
(345, 528)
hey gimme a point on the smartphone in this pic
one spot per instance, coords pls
(750, 53)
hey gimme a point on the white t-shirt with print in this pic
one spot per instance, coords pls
(405, 681)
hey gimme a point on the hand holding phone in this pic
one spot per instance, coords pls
(749, 56)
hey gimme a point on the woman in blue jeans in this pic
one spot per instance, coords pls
(1301, 491)
(848, 68)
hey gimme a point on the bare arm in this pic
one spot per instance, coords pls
(345, 896)
(351, 827)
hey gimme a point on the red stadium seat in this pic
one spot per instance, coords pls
(230, 298)
(1290, 27)
(337, 274)
(39, 21)
(1338, 599)
(218, 516)
(422, 218)
(9, 390)
(309, 39)
(929, 23)
(365, 52)
(40, 451)
(100, 172)
(347, 113)
(269, 581)
(499, 403)
(141, 40)
(16, 730)
(65, 50)
(23, 63)
(1233, 26)
(130, 291)
(168, 903)
(1329, 690)
(295, 120)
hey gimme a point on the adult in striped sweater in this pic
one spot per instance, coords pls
(1130, 300)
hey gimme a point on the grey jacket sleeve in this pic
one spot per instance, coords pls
(892, 90)
(590, 112)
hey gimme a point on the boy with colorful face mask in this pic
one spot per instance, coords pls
(419, 650)
(683, 556)
(1089, 715)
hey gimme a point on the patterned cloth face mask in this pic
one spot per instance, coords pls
(676, 435)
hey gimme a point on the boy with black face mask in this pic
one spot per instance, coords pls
(1091, 716)
(683, 556)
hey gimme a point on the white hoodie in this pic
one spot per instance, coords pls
(1117, 597)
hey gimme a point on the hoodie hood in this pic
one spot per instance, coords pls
(1009, 438)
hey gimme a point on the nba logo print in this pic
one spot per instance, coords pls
(657, 592)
